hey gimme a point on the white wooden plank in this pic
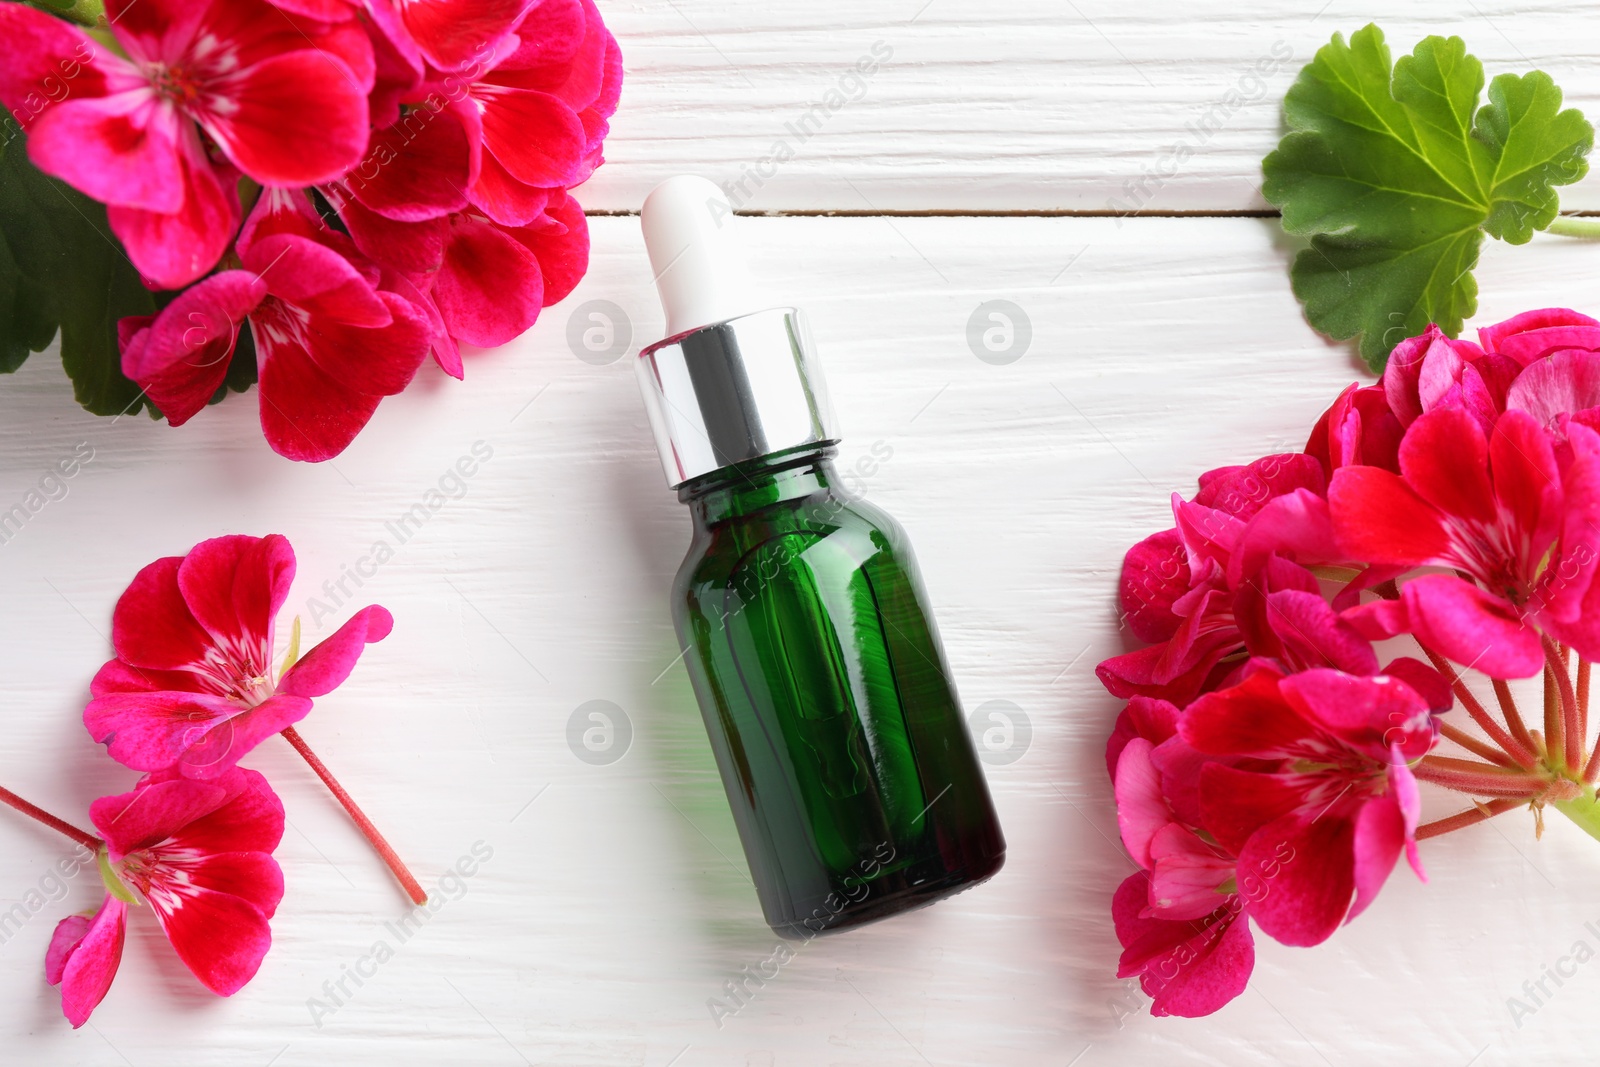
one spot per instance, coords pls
(616, 903)
(1012, 105)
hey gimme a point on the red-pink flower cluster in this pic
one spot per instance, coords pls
(191, 691)
(441, 137)
(1266, 765)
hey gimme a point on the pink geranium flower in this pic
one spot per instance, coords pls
(1514, 510)
(207, 86)
(330, 343)
(192, 688)
(1313, 785)
(200, 854)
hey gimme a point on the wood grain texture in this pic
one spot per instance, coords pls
(616, 900)
(1013, 105)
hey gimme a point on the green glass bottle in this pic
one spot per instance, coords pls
(836, 728)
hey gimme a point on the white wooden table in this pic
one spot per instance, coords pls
(975, 164)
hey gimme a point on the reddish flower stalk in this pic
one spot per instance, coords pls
(1525, 757)
(380, 845)
(1470, 817)
(82, 837)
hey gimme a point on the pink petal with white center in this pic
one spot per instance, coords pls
(152, 625)
(281, 212)
(1190, 967)
(151, 731)
(220, 936)
(536, 136)
(234, 586)
(1187, 876)
(297, 118)
(305, 413)
(490, 289)
(172, 250)
(1473, 627)
(318, 281)
(83, 958)
(1297, 876)
(115, 676)
(327, 665)
(182, 358)
(1141, 810)
(120, 149)
(1378, 518)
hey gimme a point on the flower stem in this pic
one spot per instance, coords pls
(1478, 779)
(1524, 756)
(1574, 226)
(1571, 737)
(1583, 697)
(1461, 820)
(387, 853)
(1473, 745)
(83, 12)
(1508, 708)
(82, 837)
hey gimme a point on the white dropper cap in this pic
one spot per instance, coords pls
(699, 265)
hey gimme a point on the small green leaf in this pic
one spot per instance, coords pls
(1395, 173)
(69, 270)
(112, 881)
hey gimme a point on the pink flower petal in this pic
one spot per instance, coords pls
(505, 199)
(1564, 384)
(250, 819)
(1235, 803)
(416, 169)
(234, 586)
(152, 625)
(537, 138)
(1378, 518)
(1445, 460)
(1190, 968)
(1141, 810)
(1297, 876)
(1153, 720)
(305, 413)
(327, 665)
(298, 118)
(1248, 719)
(1380, 837)
(490, 288)
(1534, 334)
(219, 936)
(454, 32)
(48, 61)
(216, 751)
(1472, 626)
(119, 149)
(564, 256)
(316, 279)
(1187, 874)
(83, 958)
(172, 250)
(377, 362)
(182, 359)
(1155, 573)
(151, 813)
(151, 731)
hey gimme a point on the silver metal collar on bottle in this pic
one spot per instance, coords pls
(734, 391)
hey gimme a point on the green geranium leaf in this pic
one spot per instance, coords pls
(1395, 173)
(62, 266)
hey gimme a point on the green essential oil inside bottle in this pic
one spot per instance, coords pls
(815, 660)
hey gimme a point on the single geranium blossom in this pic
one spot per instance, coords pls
(1515, 511)
(192, 688)
(1320, 794)
(200, 854)
(208, 89)
(330, 342)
